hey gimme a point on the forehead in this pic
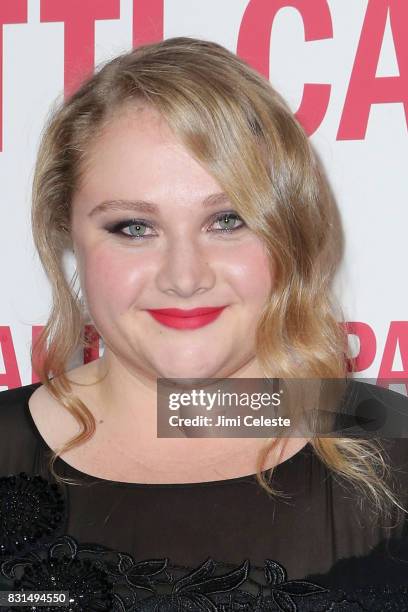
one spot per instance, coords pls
(137, 127)
(136, 153)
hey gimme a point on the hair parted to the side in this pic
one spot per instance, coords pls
(240, 129)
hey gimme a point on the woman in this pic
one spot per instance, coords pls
(180, 180)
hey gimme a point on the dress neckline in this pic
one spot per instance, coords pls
(71, 470)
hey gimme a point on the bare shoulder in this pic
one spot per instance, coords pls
(53, 421)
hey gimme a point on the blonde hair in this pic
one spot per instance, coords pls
(240, 129)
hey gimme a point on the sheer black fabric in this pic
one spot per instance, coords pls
(222, 545)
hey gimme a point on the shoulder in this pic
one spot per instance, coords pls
(370, 412)
(379, 411)
(366, 389)
(13, 402)
(17, 435)
(383, 414)
(17, 396)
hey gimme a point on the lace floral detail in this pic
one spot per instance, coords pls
(98, 578)
(101, 579)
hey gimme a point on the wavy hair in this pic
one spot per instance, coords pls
(240, 129)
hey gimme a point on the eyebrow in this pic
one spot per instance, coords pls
(149, 207)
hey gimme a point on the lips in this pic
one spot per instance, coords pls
(186, 319)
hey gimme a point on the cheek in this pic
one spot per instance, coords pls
(252, 273)
(113, 278)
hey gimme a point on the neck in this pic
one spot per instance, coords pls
(124, 403)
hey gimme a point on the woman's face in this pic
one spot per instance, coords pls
(132, 258)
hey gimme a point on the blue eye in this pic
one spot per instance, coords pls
(227, 218)
(137, 227)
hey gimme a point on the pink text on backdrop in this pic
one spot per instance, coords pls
(10, 12)
(364, 90)
(79, 19)
(396, 340)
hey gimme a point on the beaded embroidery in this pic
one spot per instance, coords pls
(32, 510)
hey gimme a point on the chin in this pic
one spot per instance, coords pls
(189, 371)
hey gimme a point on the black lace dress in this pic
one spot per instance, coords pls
(215, 546)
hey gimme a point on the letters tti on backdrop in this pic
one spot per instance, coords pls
(378, 339)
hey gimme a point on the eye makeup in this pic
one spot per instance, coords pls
(223, 217)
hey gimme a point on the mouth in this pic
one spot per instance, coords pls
(186, 319)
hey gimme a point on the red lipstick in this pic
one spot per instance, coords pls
(186, 319)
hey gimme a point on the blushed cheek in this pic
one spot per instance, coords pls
(253, 274)
(110, 281)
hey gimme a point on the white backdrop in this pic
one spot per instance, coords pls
(47, 44)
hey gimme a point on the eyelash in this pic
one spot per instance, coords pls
(118, 227)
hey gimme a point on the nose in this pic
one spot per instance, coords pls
(185, 269)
